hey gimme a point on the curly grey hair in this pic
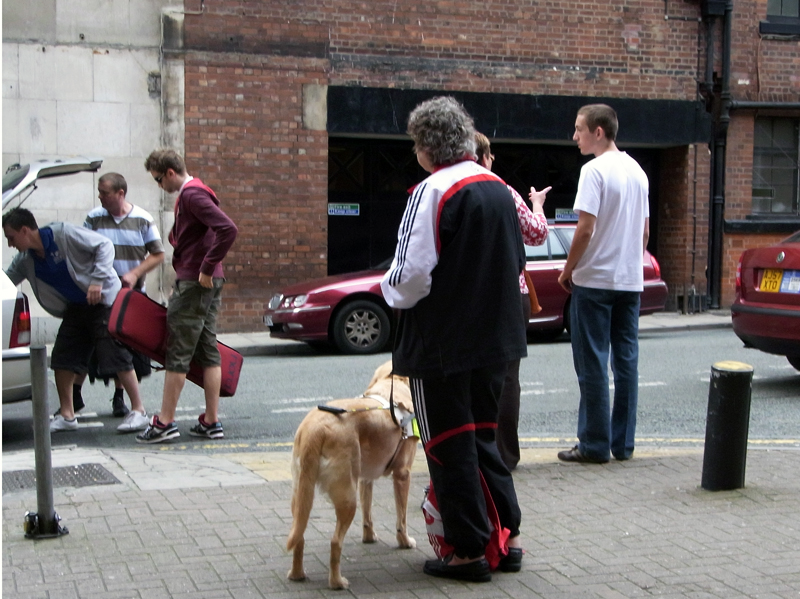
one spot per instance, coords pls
(442, 128)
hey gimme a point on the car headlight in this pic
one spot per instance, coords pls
(299, 301)
(275, 301)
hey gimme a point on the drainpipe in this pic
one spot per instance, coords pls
(708, 85)
(718, 165)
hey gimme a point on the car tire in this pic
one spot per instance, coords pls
(794, 361)
(361, 327)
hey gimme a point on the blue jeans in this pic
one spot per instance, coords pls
(603, 319)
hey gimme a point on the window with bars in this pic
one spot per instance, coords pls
(775, 167)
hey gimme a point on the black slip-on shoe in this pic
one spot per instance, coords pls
(512, 561)
(477, 571)
(575, 455)
(118, 407)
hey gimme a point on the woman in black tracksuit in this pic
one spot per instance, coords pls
(455, 276)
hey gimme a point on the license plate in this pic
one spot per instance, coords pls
(268, 320)
(771, 280)
(775, 280)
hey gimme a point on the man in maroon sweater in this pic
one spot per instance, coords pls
(201, 236)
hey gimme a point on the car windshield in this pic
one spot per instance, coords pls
(569, 233)
(552, 249)
(385, 264)
(793, 239)
(14, 175)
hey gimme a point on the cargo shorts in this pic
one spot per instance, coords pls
(192, 325)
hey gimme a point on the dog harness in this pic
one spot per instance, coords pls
(406, 421)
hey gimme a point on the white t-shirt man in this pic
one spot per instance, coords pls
(614, 189)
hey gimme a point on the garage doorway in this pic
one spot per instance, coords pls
(369, 180)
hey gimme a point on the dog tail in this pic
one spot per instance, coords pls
(305, 471)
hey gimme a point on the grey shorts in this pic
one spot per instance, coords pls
(192, 325)
(83, 329)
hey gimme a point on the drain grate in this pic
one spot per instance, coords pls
(84, 475)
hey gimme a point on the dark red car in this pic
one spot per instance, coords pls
(766, 312)
(349, 311)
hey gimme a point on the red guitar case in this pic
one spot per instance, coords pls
(138, 321)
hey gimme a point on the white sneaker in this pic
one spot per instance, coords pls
(134, 421)
(59, 423)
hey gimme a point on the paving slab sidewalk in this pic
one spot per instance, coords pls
(642, 528)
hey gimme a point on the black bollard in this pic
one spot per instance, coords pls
(727, 425)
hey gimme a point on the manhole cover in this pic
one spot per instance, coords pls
(84, 475)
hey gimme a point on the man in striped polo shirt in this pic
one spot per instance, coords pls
(137, 250)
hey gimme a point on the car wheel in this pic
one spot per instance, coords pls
(794, 361)
(361, 327)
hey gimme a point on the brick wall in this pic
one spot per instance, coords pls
(769, 64)
(245, 138)
(587, 48)
(683, 220)
(739, 166)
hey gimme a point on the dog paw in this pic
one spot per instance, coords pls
(297, 577)
(338, 584)
(369, 538)
(406, 542)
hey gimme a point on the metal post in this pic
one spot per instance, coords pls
(727, 426)
(43, 524)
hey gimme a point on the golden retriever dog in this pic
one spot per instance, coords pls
(349, 444)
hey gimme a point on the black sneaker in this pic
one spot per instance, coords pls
(157, 432)
(575, 455)
(118, 407)
(203, 429)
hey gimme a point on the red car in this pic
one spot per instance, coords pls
(766, 312)
(349, 311)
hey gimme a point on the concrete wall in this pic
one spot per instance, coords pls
(84, 77)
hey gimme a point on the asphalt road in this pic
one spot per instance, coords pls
(275, 392)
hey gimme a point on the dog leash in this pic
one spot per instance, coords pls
(391, 397)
